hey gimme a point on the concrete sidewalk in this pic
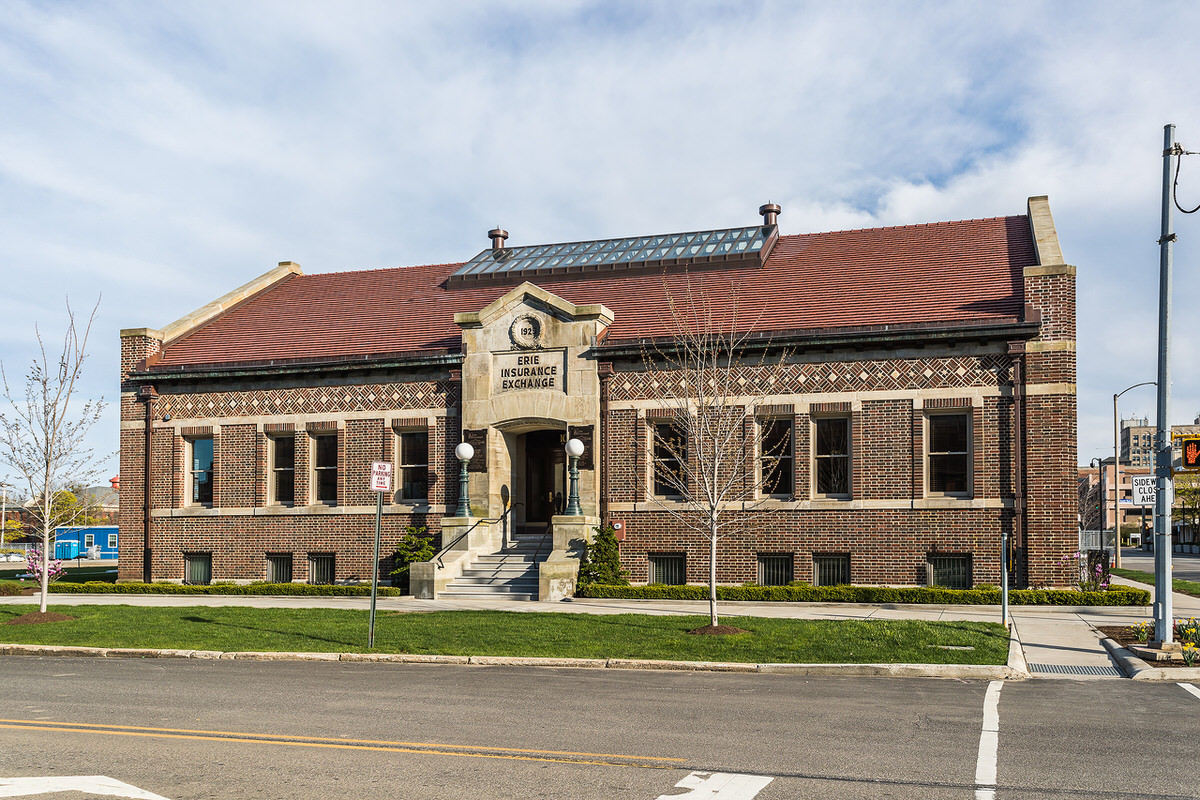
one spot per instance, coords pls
(1055, 641)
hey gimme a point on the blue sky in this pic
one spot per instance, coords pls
(161, 154)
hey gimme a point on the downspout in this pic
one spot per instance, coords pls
(1016, 352)
(147, 395)
(605, 373)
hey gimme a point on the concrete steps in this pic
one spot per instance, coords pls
(510, 574)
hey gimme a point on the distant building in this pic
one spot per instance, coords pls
(91, 541)
(1137, 440)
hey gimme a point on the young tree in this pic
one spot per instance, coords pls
(1089, 505)
(710, 456)
(43, 432)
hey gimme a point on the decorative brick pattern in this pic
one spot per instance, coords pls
(308, 400)
(835, 376)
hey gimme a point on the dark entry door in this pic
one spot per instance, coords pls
(544, 459)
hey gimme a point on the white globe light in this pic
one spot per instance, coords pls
(464, 452)
(574, 448)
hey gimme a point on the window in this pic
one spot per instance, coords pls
(414, 466)
(670, 456)
(89, 539)
(279, 568)
(112, 541)
(325, 468)
(831, 456)
(320, 568)
(774, 569)
(283, 470)
(951, 571)
(831, 569)
(667, 568)
(201, 472)
(949, 454)
(775, 457)
(197, 568)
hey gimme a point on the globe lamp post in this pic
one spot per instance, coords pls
(574, 450)
(464, 453)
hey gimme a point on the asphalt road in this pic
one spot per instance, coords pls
(1183, 566)
(236, 729)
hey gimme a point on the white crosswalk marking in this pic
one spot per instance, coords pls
(1187, 687)
(719, 786)
(989, 744)
(90, 785)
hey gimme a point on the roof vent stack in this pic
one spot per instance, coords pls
(770, 213)
(498, 235)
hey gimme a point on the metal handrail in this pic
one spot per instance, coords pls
(440, 553)
(457, 539)
(542, 543)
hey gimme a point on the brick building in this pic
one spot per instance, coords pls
(916, 385)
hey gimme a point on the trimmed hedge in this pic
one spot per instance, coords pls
(102, 587)
(1116, 596)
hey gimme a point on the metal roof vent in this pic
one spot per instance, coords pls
(498, 235)
(770, 213)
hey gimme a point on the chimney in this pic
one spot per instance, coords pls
(498, 235)
(770, 212)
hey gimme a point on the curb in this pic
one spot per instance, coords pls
(1140, 670)
(960, 671)
(1017, 665)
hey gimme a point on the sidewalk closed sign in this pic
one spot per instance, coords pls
(1143, 489)
(381, 476)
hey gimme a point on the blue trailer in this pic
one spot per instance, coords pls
(92, 541)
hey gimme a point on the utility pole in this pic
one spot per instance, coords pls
(1163, 612)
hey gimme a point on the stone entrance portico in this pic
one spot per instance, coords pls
(529, 382)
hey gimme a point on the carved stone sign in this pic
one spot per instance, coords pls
(529, 371)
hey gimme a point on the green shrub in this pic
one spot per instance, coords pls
(1122, 596)
(601, 562)
(415, 547)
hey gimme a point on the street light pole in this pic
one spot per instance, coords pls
(1163, 611)
(1117, 472)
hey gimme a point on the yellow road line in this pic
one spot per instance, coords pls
(468, 751)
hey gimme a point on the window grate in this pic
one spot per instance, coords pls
(668, 568)
(197, 568)
(831, 569)
(320, 568)
(775, 569)
(951, 571)
(279, 568)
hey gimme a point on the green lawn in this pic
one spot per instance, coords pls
(502, 633)
(1183, 587)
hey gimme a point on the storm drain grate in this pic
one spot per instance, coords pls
(1071, 669)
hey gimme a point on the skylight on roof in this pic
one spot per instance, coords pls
(700, 248)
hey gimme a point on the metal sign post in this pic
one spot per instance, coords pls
(381, 483)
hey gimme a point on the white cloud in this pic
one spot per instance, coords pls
(164, 153)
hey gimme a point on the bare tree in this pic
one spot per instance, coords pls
(43, 432)
(1089, 505)
(710, 458)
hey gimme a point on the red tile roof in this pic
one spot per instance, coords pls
(949, 272)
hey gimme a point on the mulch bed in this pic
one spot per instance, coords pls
(38, 617)
(1122, 635)
(717, 630)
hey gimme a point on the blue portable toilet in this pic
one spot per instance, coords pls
(66, 549)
